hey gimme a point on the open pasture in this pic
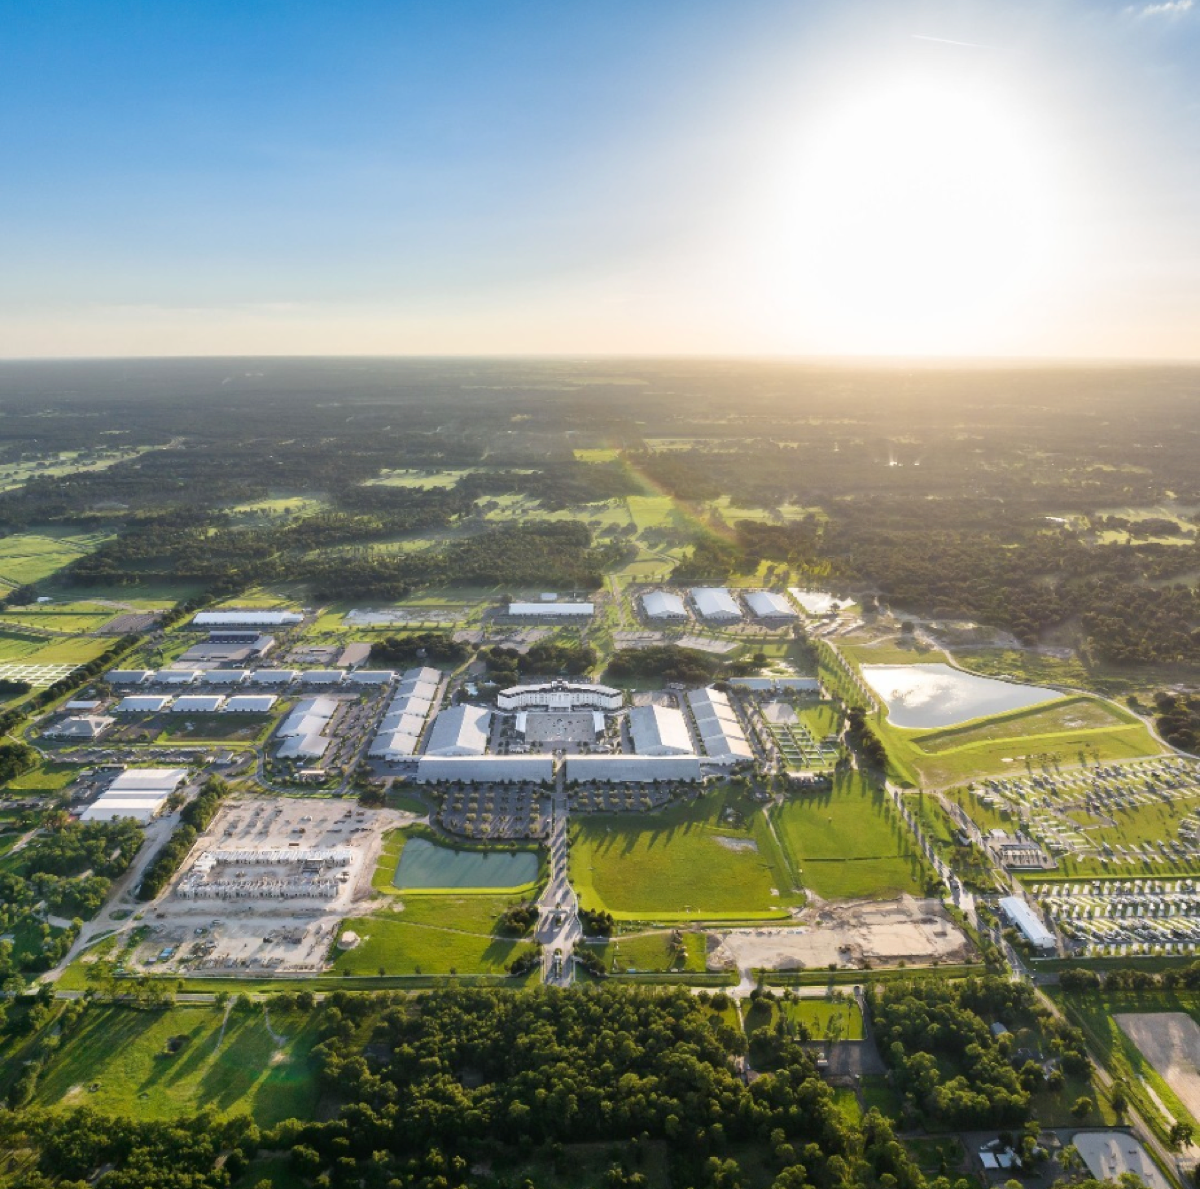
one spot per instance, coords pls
(31, 557)
(651, 952)
(71, 618)
(160, 1063)
(710, 857)
(849, 841)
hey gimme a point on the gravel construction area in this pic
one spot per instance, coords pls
(1170, 1041)
(910, 929)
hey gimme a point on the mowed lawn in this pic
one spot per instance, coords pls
(849, 841)
(119, 1060)
(712, 857)
(432, 935)
(30, 557)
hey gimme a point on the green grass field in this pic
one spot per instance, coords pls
(711, 857)
(651, 952)
(31, 557)
(824, 1019)
(849, 842)
(432, 935)
(119, 1060)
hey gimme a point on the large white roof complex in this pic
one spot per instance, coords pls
(486, 769)
(618, 769)
(766, 604)
(1028, 922)
(663, 604)
(148, 780)
(459, 731)
(250, 619)
(720, 731)
(715, 603)
(308, 747)
(303, 731)
(659, 731)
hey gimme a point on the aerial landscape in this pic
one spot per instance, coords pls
(465, 726)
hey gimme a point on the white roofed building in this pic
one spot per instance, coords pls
(249, 619)
(82, 726)
(507, 769)
(177, 676)
(560, 695)
(766, 604)
(323, 676)
(371, 677)
(148, 780)
(719, 728)
(224, 676)
(551, 610)
(128, 676)
(460, 731)
(249, 704)
(715, 604)
(659, 731)
(198, 704)
(627, 769)
(274, 676)
(664, 606)
(142, 704)
(311, 746)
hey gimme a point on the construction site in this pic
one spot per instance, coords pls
(265, 888)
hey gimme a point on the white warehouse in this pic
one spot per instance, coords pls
(248, 619)
(626, 769)
(766, 604)
(486, 769)
(460, 731)
(663, 606)
(715, 604)
(551, 610)
(659, 731)
(560, 695)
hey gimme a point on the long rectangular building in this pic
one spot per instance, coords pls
(715, 604)
(659, 731)
(551, 610)
(627, 769)
(507, 769)
(766, 604)
(249, 619)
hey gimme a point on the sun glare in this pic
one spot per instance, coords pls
(909, 219)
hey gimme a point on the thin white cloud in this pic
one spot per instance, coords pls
(1165, 8)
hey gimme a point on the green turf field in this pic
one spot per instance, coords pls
(824, 1019)
(119, 1059)
(709, 857)
(849, 841)
(30, 557)
(432, 935)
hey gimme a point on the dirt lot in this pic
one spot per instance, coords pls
(908, 929)
(248, 929)
(1170, 1041)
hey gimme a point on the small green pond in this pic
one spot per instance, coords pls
(425, 864)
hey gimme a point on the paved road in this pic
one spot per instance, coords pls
(558, 927)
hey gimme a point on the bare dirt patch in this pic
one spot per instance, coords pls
(1170, 1041)
(848, 935)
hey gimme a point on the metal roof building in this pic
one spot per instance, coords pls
(142, 704)
(224, 677)
(766, 604)
(659, 731)
(664, 605)
(83, 726)
(176, 676)
(249, 704)
(394, 745)
(128, 676)
(421, 673)
(715, 603)
(309, 747)
(250, 619)
(274, 676)
(198, 704)
(720, 730)
(626, 769)
(1018, 913)
(371, 677)
(552, 610)
(323, 676)
(459, 731)
(148, 780)
(486, 769)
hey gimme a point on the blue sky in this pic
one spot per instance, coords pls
(647, 177)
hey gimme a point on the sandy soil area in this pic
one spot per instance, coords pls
(1170, 1041)
(908, 929)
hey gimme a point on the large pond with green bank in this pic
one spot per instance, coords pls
(425, 864)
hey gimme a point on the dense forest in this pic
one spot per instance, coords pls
(999, 496)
